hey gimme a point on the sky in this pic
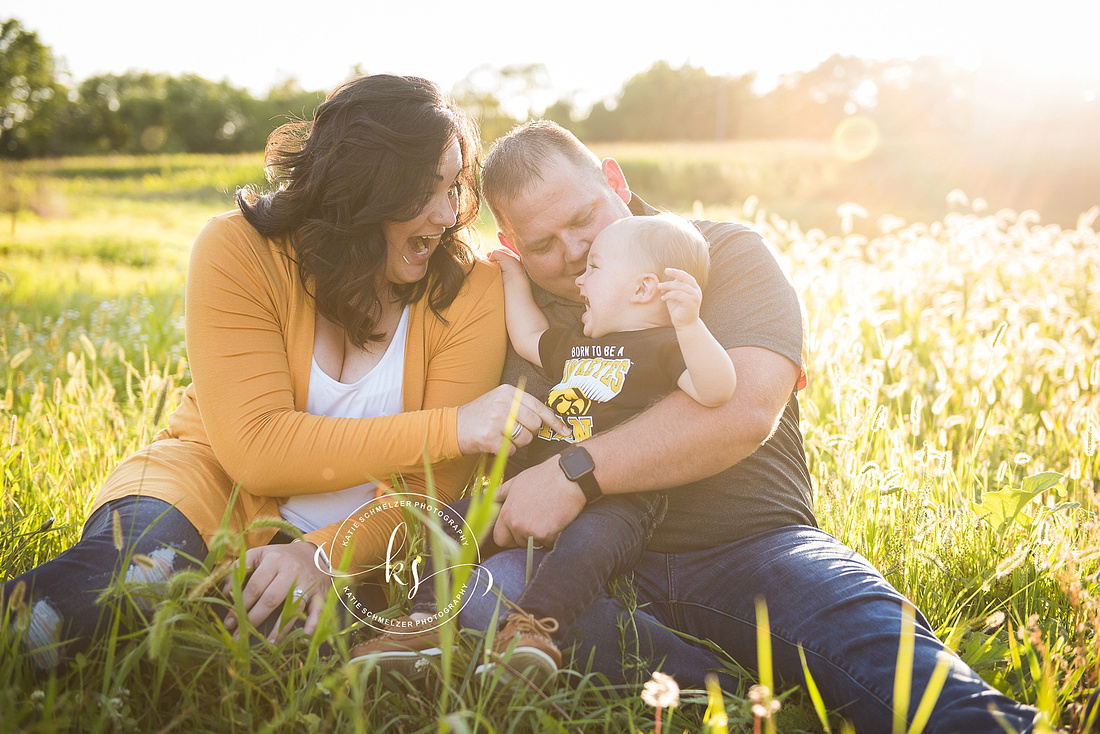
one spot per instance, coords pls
(589, 47)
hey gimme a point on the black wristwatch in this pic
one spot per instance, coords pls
(578, 467)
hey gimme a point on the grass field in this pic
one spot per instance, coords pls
(952, 424)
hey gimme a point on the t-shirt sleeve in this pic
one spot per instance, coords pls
(749, 300)
(671, 360)
(550, 351)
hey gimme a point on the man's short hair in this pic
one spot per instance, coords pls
(669, 241)
(517, 160)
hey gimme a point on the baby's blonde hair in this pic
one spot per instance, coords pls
(669, 241)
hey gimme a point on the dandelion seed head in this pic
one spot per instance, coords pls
(957, 197)
(1021, 459)
(661, 691)
(847, 213)
(994, 620)
(749, 207)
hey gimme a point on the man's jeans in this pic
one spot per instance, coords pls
(819, 594)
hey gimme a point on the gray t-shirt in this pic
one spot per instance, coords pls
(748, 302)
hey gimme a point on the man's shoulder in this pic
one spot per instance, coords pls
(733, 235)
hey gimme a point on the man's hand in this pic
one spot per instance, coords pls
(539, 502)
(683, 297)
(276, 570)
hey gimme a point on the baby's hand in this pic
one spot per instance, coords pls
(682, 295)
(507, 260)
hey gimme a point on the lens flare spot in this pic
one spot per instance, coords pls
(855, 138)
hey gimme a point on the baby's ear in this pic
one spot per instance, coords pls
(646, 290)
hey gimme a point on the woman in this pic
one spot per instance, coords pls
(338, 330)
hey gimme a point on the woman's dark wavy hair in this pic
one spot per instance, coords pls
(370, 155)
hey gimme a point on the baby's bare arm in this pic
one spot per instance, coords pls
(523, 318)
(710, 377)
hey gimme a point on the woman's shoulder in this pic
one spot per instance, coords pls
(482, 281)
(482, 290)
(230, 241)
(483, 274)
(231, 230)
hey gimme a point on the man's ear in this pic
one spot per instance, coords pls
(506, 243)
(616, 179)
(646, 290)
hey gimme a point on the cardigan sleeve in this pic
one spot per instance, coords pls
(466, 364)
(239, 289)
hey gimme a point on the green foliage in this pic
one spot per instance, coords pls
(29, 93)
(1001, 507)
(964, 362)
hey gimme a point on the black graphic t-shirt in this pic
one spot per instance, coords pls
(749, 302)
(602, 382)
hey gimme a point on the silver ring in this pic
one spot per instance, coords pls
(516, 430)
(298, 594)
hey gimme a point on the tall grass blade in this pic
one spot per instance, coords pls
(903, 672)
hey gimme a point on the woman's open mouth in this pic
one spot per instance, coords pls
(420, 248)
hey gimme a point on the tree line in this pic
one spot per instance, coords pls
(143, 112)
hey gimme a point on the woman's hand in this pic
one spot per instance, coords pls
(276, 570)
(482, 423)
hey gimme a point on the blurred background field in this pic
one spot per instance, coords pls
(951, 420)
(939, 221)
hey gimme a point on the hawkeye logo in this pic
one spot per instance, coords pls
(585, 380)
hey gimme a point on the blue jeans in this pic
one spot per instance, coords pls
(62, 592)
(819, 594)
(606, 540)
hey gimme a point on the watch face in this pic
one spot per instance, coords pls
(576, 462)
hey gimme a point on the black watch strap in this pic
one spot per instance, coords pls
(577, 465)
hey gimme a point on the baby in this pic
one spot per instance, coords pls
(642, 338)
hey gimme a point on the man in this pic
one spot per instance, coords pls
(740, 524)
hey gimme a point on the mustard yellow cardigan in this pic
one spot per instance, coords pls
(242, 421)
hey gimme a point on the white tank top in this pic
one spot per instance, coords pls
(375, 394)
